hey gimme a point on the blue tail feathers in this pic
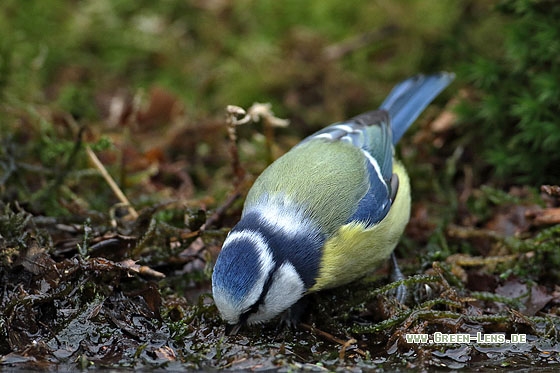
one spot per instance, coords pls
(409, 98)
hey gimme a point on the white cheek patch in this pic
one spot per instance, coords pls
(286, 289)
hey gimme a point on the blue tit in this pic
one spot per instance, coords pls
(324, 214)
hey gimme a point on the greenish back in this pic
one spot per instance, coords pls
(326, 178)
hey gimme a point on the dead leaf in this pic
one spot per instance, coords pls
(539, 298)
(512, 289)
(511, 220)
(162, 108)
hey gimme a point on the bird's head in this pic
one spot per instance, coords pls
(249, 284)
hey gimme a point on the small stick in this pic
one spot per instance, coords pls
(112, 184)
(232, 115)
(332, 338)
(220, 211)
(236, 116)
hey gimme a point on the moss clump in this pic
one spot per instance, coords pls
(515, 118)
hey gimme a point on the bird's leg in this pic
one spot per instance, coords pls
(293, 315)
(401, 292)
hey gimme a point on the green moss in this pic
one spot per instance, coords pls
(515, 120)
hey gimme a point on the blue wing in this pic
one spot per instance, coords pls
(376, 132)
(371, 133)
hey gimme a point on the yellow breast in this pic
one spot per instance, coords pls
(356, 250)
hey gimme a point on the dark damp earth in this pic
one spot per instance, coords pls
(66, 311)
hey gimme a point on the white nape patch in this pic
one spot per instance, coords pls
(286, 289)
(284, 216)
(375, 165)
(231, 309)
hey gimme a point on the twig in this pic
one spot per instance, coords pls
(332, 338)
(348, 343)
(236, 116)
(112, 184)
(233, 113)
(220, 210)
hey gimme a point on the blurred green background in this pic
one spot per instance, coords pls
(317, 62)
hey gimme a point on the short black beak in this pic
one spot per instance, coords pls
(233, 329)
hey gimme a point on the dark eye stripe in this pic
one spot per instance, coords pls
(255, 307)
